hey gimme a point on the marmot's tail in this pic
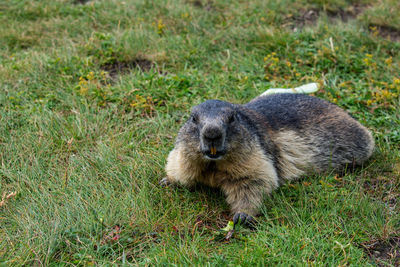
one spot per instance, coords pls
(304, 89)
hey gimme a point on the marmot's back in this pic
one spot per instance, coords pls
(333, 137)
(291, 110)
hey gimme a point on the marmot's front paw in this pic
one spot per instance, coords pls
(164, 182)
(243, 219)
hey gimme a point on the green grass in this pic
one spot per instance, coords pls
(84, 147)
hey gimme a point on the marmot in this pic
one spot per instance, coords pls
(249, 150)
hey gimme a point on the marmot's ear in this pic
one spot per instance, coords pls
(193, 118)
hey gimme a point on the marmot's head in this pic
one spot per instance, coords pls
(212, 129)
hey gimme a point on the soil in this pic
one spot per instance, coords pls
(310, 16)
(384, 250)
(207, 5)
(345, 15)
(118, 67)
(80, 2)
(388, 32)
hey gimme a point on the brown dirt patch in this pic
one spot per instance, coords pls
(307, 17)
(116, 67)
(347, 14)
(385, 31)
(310, 16)
(80, 2)
(383, 251)
(207, 5)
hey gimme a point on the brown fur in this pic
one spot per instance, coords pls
(264, 148)
(240, 176)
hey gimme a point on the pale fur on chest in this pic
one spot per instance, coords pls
(252, 165)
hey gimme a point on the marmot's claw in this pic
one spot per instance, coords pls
(243, 219)
(164, 182)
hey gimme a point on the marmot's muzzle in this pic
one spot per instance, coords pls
(212, 141)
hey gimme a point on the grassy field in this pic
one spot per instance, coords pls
(92, 94)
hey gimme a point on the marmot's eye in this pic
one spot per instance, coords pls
(231, 119)
(194, 119)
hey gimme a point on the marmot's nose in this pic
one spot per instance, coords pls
(212, 141)
(212, 134)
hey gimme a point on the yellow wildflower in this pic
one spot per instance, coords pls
(90, 76)
(160, 27)
(389, 61)
(374, 30)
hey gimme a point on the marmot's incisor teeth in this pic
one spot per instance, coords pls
(213, 150)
